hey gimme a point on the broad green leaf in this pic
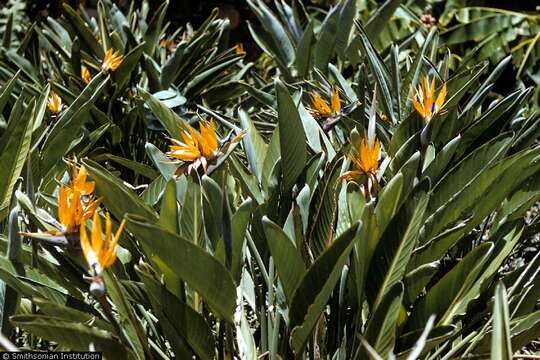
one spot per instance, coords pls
(380, 18)
(7, 91)
(292, 137)
(323, 209)
(382, 326)
(287, 257)
(68, 126)
(123, 74)
(378, 68)
(394, 249)
(14, 145)
(118, 198)
(316, 286)
(239, 224)
(254, 145)
(179, 318)
(73, 335)
(168, 214)
(273, 27)
(443, 298)
(137, 167)
(303, 52)
(166, 167)
(501, 345)
(154, 29)
(173, 123)
(324, 47)
(200, 270)
(83, 31)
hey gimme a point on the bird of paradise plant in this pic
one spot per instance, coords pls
(199, 148)
(73, 209)
(323, 109)
(424, 100)
(76, 204)
(85, 74)
(54, 103)
(112, 60)
(99, 252)
(365, 161)
(196, 147)
(239, 49)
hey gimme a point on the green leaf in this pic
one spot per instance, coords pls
(173, 123)
(137, 167)
(378, 68)
(83, 31)
(394, 249)
(278, 36)
(444, 297)
(15, 144)
(417, 279)
(75, 336)
(7, 91)
(324, 48)
(316, 287)
(68, 126)
(289, 263)
(168, 214)
(200, 270)
(256, 148)
(239, 224)
(166, 167)
(501, 345)
(389, 200)
(380, 18)
(323, 209)
(123, 74)
(292, 137)
(155, 27)
(116, 196)
(303, 52)
(178, 318)
(382, 326)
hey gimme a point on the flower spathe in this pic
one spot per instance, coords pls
(99, 252)
(195, 145)
(424, 100)
(324, 110)
(112, 60)
(54, 103)
(365, 160)
(73, 209)
(239, 49)
(85, 74)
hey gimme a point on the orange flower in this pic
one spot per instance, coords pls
(195, 145)
(85, 74)
(72, 210)
(78, 181)
(365, 160)
(168, 44)
(324, 110)
(76, 204)
(112, 60)
(100, 253)
(424, 99)
(54, 103)
(239, 49)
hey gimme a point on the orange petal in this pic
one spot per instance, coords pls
(335, 102)
(440, 98)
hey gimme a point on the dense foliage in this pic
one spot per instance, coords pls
(360, 189)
